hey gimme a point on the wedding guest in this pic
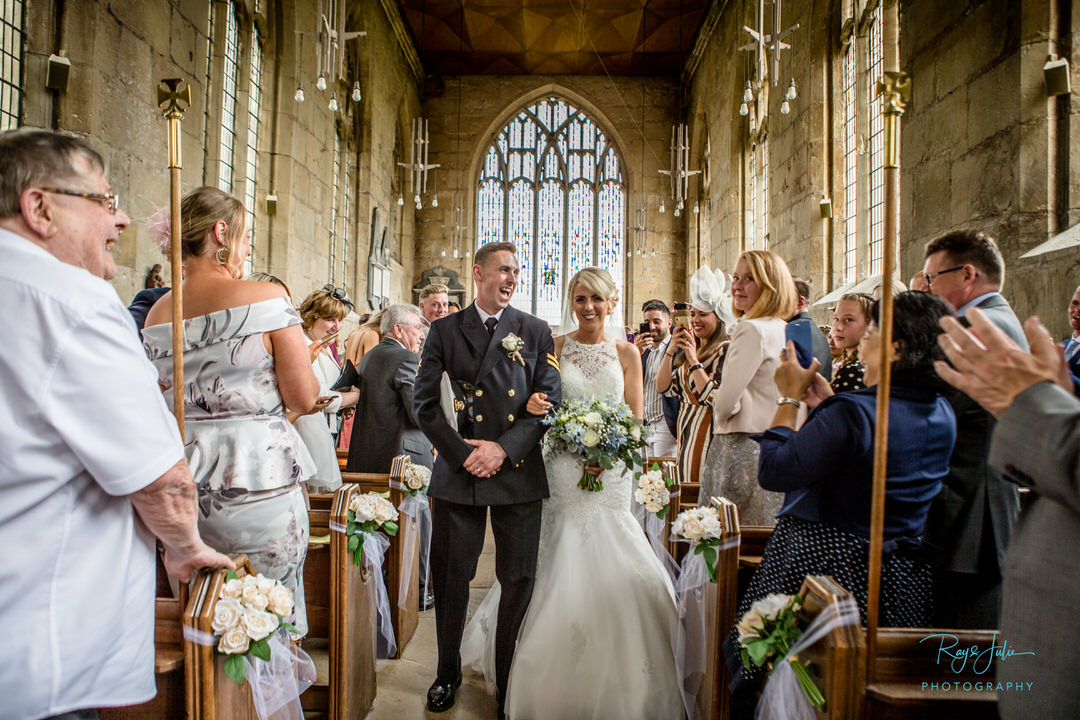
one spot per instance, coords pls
(818, 340)
(142, 302)
(1038, 615)
(364, 338)
(826, 471)
(764, 297)
(972, 519)
(434, 301)
(851, 319)
(91, 463)
(321, 314)
(453, 307)
(245, 362)
(691, 367)
(917, 283)
(1072, 345)
(661, 411)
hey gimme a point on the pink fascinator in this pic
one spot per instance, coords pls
(159, 227)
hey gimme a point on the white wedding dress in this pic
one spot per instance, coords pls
(596, 640)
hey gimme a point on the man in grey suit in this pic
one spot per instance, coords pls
(385, 424)
(972, 518)
(1027, 392)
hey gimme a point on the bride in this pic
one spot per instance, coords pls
(596, 640)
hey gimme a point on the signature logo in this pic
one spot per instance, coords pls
(981, 657)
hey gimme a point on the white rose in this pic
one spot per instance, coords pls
(640, 495)
(280, 599)
(227, 614)
(234, 642)
(652, 506)
(771, 605)
(593, 418)
(692, 529)
(232, 588)
(249, 581)
(253, 598)
(635, 432)
(590, 438)
(264, 583)
(749, 625)
(259, 624)
(710, 526)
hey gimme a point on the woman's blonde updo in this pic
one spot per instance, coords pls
(596, 280)
(200, 210)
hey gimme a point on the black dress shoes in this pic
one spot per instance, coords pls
(440, 696)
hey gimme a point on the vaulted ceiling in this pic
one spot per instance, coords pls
(554, 37)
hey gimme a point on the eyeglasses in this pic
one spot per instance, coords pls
(929, 277)
(110, 200)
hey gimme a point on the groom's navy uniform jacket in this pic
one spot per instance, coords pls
(494, 388)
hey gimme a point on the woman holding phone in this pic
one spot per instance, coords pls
(321, 313)
(743, 403)
(692, 363)
(245, 362)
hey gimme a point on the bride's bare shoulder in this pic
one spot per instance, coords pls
(559, 341)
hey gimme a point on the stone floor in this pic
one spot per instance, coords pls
(403, 683)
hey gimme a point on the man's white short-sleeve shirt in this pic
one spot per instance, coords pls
(82, 425)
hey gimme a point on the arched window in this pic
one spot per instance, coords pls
(552, 183)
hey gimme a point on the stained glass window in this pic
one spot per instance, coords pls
(552, 184)
(877, 147)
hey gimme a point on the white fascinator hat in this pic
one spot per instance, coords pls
(710, 292)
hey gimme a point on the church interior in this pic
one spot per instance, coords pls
(377, 144)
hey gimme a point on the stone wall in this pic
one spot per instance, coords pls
(119, 50)
(488, 102)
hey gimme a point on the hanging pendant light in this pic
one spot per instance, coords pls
(747, 93)
(785, 108)
(299, 96)
(356, 91)
(400, 200)
(321, 81)
(435, 201)
(696, 209)
(661, 207)
(744, 109)
(333, 103)
(792, 93)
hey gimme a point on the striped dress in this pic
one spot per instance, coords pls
(695, 415)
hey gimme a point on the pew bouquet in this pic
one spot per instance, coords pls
(368, 514)
(601, 431)
(701, 526)
(248, 613)
(417, 478)
(652, 491)
(767, 632)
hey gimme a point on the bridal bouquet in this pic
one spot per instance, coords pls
(652, 491)
(417, 478)
(768, 630)
(701, 526)
(601, 431)
(247, 614)
(368, 513)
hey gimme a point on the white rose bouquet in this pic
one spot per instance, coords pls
(247, 613)
(768, 630)
(653, 491)
(601, 431)
(416, 479)
(368, 513)
(701, 526)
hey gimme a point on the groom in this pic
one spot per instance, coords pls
(495, 357)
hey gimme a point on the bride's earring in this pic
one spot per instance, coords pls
(223, 256)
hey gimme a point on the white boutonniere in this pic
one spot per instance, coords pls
(513, 344)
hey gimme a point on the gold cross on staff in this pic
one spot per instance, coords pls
(174, 97)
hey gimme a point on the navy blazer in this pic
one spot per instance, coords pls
(670, 403)
(459, 344)
(827, 467)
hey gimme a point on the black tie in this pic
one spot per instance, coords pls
(490, 324)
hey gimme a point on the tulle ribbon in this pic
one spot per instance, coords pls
(654, 530)
(690, 641)
(375, 546)
(416, 514)
(275, 685)
(783, 698)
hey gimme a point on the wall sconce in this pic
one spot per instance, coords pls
(271, 204)
(1056, 73)
(57, 72)
(825, 207)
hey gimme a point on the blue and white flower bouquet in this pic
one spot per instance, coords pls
(602, 431)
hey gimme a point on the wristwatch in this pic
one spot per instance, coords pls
(787, 401)
(699, 366)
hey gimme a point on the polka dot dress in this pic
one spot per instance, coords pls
(799, 548)
(849, 377)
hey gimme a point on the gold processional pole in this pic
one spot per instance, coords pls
(893, 89)
(174, 96)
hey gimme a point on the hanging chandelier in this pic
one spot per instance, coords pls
(330, 39)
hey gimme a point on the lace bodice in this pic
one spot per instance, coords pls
(591, 370)
(587, 370)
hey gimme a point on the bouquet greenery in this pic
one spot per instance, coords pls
(368, 513)
(248, 612)
(768, 630)
(601, 431)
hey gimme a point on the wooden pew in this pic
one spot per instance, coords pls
(687, 498)
(168, 704)
(404, 620)
(839, 659)
(342, 457)
(339, 609)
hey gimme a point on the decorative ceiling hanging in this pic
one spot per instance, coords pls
(330, 39)
(766, 46)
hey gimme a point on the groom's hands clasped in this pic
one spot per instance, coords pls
(485, 459)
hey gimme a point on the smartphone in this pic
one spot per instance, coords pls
(328, 337)
(798, 332)
(644, 328)
(629, 337)
(680, 314)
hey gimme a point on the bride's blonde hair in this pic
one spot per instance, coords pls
(597, 280)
